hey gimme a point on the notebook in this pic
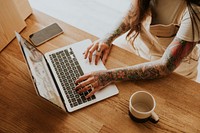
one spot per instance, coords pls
(54, 73)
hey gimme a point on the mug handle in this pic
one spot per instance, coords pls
(154, 117)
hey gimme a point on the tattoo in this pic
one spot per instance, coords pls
(171, 59)
(176, 52)
(116, 33)
(150, 70)
(104, 78)
(123, 27)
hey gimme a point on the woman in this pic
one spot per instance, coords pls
(165, 32)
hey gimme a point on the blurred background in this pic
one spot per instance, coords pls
(96, 17)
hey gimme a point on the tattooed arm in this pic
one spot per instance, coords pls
(122, 27)
(171, 59)
(102, 47)
(175, 52)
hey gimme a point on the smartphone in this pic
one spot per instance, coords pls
(45, 34)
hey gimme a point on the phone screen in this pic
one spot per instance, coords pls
(45, 34)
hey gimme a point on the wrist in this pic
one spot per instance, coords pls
(104, 77)
(107, 40)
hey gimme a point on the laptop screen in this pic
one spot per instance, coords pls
(38, 68)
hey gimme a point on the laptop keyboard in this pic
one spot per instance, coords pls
(68, 70)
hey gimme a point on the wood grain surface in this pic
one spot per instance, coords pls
(10, 20)
(22, 110)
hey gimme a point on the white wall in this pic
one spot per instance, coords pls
(96, 17)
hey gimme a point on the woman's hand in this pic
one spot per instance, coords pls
(95, 81)
(102, 51)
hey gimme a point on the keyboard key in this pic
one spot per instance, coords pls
(79, 101)
(80, 70)
(93, 97)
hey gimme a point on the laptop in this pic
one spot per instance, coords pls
(55, 72)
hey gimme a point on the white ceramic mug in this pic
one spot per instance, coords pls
(141, 107)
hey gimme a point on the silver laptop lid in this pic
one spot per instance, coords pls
(41, 76)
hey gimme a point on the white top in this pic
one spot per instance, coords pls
(168, 10)
(185, 31)
(171, 19)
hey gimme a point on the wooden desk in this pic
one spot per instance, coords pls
(21, 110)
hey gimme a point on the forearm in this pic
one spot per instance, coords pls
(171, 59)
(118, 30)
(149, 70)
(122, 27)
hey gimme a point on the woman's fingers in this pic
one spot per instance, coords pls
(102, 52)
(100, 49)
(105, 56)
(91, 81)
(98, 55)
(91, 51)
(82, 78)
(91, 86)
(84, 89)
(92, 92)
(87, 51)
(85, 83)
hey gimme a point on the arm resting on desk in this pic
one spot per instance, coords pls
(171, 59)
